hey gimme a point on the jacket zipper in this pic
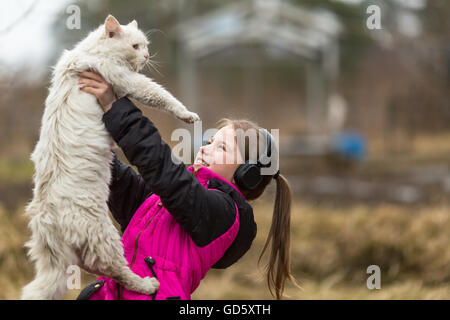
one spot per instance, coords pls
(150, 262)
(136, 249)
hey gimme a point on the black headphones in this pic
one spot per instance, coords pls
(248, 176)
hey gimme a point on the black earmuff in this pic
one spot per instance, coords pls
(248, 176)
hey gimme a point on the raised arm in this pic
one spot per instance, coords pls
(127, 192)
(204, 214)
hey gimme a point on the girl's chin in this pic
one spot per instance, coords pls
(197, 166)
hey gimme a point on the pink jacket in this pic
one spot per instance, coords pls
(176, 225)
(179, 264)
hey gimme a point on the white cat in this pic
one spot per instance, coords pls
(68, 213)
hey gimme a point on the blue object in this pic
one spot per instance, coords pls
(349, 145)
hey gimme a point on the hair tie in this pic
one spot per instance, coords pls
(276, 175)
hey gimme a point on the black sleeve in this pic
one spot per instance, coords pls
(247, 226)
(204, 214)
(127, 192)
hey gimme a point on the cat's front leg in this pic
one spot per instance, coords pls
(148, 92)
(85, 64)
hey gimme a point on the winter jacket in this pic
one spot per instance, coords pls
(177, 224)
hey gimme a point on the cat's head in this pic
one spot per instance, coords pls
(125, 42)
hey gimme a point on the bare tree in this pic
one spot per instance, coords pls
(22, 16)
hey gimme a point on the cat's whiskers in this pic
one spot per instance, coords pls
(151, 67)
(153, 64)
(148, 33)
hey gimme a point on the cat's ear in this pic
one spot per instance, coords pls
(112, 26)
(133, 23)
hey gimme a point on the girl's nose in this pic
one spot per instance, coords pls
(205, 149)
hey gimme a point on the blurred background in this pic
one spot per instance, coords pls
(363, 114)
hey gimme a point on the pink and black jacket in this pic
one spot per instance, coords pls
(176, 225)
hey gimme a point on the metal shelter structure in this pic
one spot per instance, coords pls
(312, 36)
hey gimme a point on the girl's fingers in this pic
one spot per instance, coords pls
(91, 75)
(90, 83)
(94, 91)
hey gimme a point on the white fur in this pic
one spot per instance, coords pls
(68, 213)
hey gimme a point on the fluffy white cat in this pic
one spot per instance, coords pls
(68, 213)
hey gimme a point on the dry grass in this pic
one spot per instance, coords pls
(418, 147)
(15, 170)
(14, 268)
(331, 249)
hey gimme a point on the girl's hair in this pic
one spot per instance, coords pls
(278, 239)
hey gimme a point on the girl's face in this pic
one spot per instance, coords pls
(221, 154)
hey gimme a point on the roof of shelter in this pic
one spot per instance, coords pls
(296, 30)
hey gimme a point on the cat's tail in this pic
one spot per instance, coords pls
(50, 280)
(49, 284)
(51, 261)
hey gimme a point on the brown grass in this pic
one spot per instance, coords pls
(331, 249)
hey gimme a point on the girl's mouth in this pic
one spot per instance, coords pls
(202, 162)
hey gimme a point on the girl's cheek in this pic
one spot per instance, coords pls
(216, 157)
(220, 158)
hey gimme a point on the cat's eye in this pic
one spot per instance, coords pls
(136, 46)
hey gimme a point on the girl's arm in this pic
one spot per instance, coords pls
(127, 192)
(204, 214)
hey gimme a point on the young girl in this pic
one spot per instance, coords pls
(177, 222)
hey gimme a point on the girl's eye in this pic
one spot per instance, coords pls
(136, 46)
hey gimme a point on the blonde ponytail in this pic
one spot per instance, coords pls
(278, 267)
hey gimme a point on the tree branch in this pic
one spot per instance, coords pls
(20, 18)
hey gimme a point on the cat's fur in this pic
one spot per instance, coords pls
(68, 213)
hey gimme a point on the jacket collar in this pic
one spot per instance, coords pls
(203, 173)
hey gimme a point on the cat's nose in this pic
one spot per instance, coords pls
(146, 56)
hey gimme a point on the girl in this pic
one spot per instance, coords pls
(177, 222)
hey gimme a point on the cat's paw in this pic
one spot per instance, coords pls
(189, 117)
(151, 284)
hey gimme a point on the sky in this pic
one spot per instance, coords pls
(29, 42)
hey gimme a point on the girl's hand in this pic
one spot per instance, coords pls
(97, 86)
